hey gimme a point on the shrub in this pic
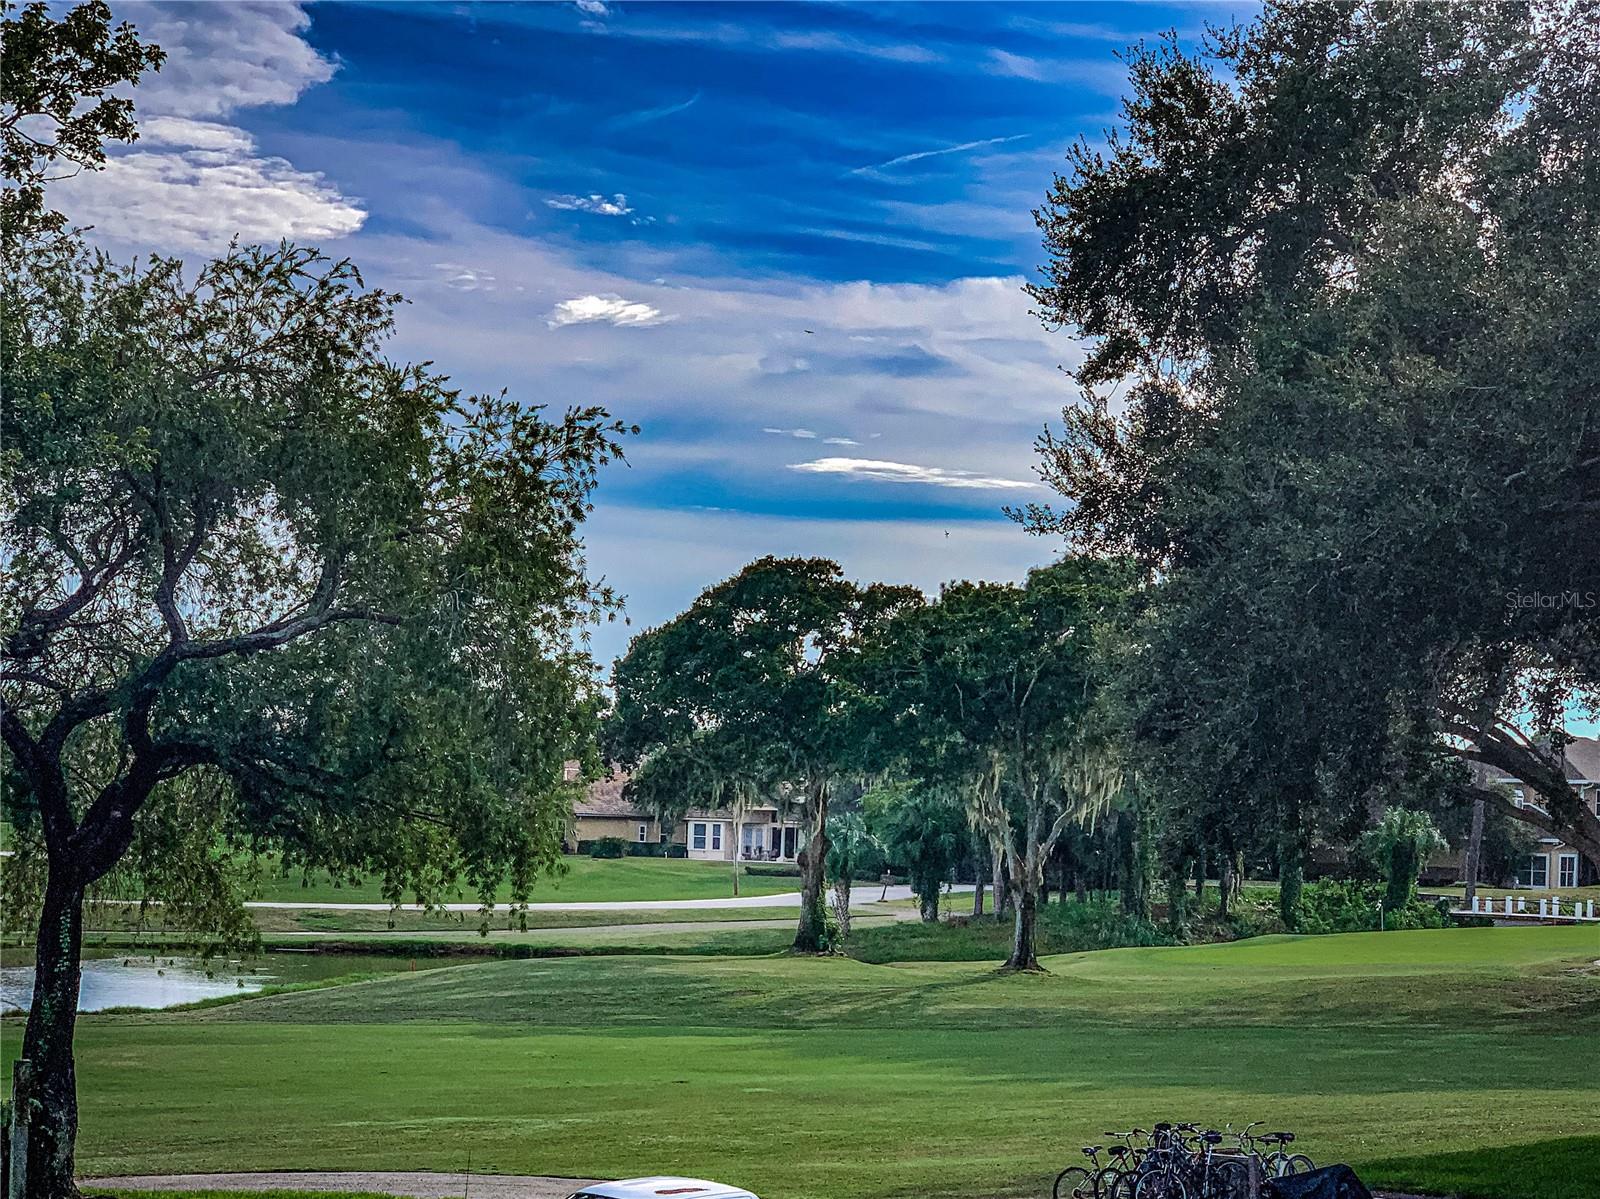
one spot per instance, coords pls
(1343, 906)
(773, 870)
(677, 851)
(646, 849)
(607, 847)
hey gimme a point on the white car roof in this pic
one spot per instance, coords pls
(650, 1188)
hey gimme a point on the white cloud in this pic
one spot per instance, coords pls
(612, 309)
(599, 205)
(193, 135)
(905, 472)
(840, 441)
(198, 199)
(192, 182)
(224, 57)
(803, 434)
(592, 8)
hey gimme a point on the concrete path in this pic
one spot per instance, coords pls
(859, 897)
(416, 1184)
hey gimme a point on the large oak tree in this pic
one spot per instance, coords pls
(751, 682)
(1339, 269)
(266, 586)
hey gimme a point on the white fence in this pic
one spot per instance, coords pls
(1551, 907)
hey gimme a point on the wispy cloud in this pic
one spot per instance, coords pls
(840, 441)
(905, 472)
(919, 155)
(611, 309)
(645, 116)
(803, 434)
(592, 8)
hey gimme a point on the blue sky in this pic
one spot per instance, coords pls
(789, 240)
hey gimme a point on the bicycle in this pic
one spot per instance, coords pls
(1280, 1163)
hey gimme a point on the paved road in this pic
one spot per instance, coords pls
(415, 1185)
(860, 897)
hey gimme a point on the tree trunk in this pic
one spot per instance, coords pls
(1200, 884)
(1291, 880)
(47, 1042)
(1024, 955)
(977, 894)
(1002, 889)
(1472, 866)
(812, 934)
(1224, 884)
(928, 903)
(841, 905)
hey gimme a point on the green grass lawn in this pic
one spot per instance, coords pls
(585, 880)
(1460, 1060)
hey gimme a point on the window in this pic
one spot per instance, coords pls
(697, 836)
(716, 836)
(1567, 870)
(1535, 871)
(1518, 798)
(644, 833)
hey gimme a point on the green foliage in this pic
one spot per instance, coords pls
(1400, 847)
(745, 694)
(1349, 312)
(854, 852)
(607, 847)
(924, 833)
(61, 100)
(1337, 906)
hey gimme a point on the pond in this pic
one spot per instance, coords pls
(138, 979)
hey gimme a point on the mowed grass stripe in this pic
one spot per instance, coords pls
(833, 1079)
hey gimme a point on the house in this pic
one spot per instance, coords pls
(603, 810)
(1555, 865)
(762, 832)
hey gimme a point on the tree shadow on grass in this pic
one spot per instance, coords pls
(1568, 1168)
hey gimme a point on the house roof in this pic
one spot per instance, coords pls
(605, 798)
(1583, 763)
(1583, 759)
(608, 798)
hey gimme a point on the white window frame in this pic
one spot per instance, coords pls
(1566, 870)
(716, 835)
(1538, 879)
(644, 833)
(697, 835)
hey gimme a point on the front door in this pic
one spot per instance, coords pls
(791, 837)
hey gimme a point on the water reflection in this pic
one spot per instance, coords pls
(164, 981)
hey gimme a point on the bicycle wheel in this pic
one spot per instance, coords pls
(1161, 1186)
(1230, 1180)
(1299, 1163)
(1073, 1183)
(1108, 1185)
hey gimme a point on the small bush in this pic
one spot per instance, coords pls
(677, 851)
(773, 870)
(646, 849)
(1343, 906)
(607, 847)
